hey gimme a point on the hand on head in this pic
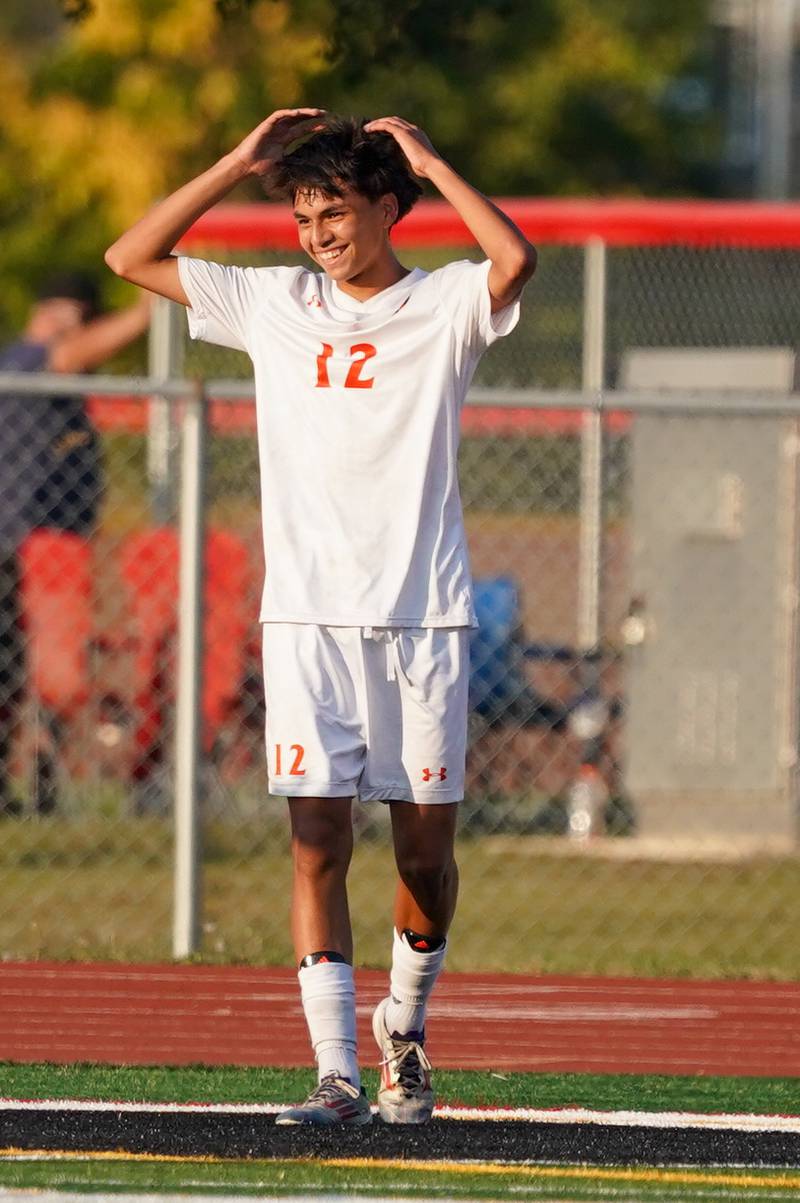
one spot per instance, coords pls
(414, 143)
(264, 147)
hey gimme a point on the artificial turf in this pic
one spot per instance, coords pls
(310, 1176)
(247, 1178)
(634, 1092)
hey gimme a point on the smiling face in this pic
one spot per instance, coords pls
(348, 236)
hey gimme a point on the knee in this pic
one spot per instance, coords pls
(426, 878)
(321, 853)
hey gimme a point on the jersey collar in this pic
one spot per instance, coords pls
(388, 300)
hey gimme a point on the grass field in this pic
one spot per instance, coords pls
(401, 1180)
(94, 889)
(649, 1092)
(309, 1175)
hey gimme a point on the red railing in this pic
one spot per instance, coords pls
(617, 222)
(632, 222)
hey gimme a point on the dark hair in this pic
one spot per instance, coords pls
(343, 157)
(72, 286)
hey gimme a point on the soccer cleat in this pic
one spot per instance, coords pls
(405, 1095)
(333, 1101)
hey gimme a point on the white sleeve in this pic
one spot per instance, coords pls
(222, 300)
(464, 292)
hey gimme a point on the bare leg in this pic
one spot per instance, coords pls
(424, 904)
(322, 845)
(425, 900)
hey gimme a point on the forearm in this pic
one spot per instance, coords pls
(91, 345)
(153, 238)
(513, 258)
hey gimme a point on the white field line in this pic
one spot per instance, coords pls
(628, 1119)
(568, 1012)
(23, 1195)
(37, 1195)
(717, 1121)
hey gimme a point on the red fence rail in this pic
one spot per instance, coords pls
(629, 222)
(617, 222)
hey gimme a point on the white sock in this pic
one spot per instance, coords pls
(413, 977)
(329, 1004)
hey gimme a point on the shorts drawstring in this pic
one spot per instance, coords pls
(389, 637)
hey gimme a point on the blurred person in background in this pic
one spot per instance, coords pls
(50, 470)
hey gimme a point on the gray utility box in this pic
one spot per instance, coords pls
(712, 684)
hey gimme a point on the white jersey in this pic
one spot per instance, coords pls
(358, 407)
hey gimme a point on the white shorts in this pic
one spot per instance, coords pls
(375, 713)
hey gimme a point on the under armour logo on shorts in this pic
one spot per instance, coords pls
(427, 774)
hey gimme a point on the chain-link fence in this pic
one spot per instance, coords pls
(633, 521)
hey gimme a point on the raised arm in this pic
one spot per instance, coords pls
(143, 254)
(88, 346)
(512, 257)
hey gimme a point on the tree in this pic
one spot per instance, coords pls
(108, 104)
(554, 97)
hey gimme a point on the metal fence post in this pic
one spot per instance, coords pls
(591, 497)
(187, 883)
(165, 362)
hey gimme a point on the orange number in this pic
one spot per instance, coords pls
(366, 351)
(359, 354)
(295, 770)
(322, 366)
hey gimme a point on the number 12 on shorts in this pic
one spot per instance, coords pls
(296, 754)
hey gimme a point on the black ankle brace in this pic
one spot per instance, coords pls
(422, 943)
(323, 958)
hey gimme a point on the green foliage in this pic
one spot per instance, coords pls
(76, 10)
(108, 104)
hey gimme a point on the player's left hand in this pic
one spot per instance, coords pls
(415, 144)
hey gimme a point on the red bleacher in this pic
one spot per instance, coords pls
(60, 627)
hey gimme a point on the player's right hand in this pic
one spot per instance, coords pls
(262, 149)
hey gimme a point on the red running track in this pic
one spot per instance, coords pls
(179, 1014)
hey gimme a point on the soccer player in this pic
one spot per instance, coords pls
(360, 372)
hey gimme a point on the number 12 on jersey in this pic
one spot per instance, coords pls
(359, 354)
